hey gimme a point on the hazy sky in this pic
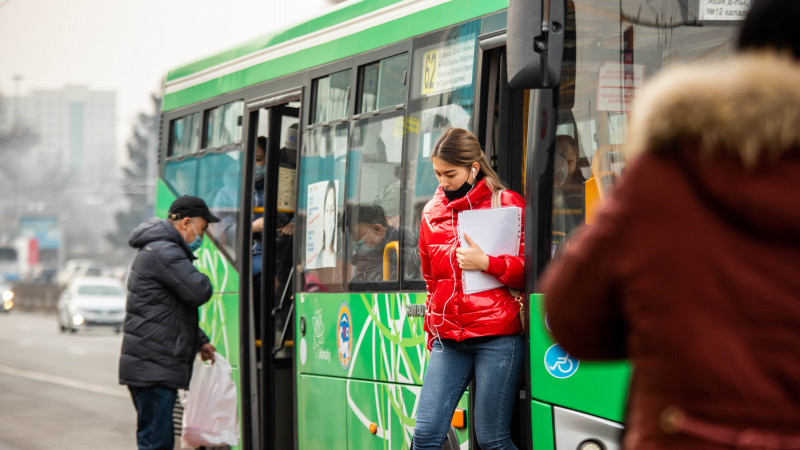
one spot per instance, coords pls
(126, 46)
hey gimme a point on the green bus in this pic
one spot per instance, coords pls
(330, 351)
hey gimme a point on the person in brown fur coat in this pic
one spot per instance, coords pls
(692, 268)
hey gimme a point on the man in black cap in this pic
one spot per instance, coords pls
(161, 328)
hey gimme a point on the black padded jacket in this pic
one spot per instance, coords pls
(161, 332)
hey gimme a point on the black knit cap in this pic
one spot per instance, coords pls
(190, 206)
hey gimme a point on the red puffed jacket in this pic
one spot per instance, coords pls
(450, 313)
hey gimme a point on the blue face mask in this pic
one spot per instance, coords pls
(260, 172)
(197, 242)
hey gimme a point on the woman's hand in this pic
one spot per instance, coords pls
(472, 257)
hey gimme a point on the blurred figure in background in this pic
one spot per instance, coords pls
(691, 270)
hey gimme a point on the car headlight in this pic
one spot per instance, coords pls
(8, 304)
(77, 319)
(8, 294)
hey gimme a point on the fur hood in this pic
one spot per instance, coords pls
(747, 106)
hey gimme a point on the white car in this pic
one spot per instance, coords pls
(92, 302)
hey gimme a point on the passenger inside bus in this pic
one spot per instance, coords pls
(376, 253)
(284, 225)
(389, 199)
(568, 189)
(258, 226)
(285, 220)
(572, 187)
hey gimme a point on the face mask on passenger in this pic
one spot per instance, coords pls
(457, 193)
(260, 172)
(197, 242)
(462, 191)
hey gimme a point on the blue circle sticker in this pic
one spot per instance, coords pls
(558, 362)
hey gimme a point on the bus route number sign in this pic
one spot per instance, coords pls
(449, 67)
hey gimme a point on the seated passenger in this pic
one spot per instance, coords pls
(567, 148)
(389, 199)
(375, 233)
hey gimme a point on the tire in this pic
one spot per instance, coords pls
(451, 442)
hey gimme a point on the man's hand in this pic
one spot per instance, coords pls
(287, 230)
(472, 257)
(258, 225)
(207, 352)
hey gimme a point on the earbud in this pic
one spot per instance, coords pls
(473, 172)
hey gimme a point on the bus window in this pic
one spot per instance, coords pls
(435, 103)
(219, 184)
(375, 174)
(321, 192)
(382, 84)
(223, 125)
(608, 62)
(184, 136)
(321, 185)
(330, 96)
(181, 176)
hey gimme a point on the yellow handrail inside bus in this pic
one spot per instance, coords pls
(591, 199)
(387, 260)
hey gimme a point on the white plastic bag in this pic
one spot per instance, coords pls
(210, 417)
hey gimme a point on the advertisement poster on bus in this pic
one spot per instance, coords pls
(321, 229)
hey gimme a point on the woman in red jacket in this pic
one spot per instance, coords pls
(474, 335)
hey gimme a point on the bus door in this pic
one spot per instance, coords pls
(501, 121)
(273, 138)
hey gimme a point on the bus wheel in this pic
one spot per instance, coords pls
(451, 442)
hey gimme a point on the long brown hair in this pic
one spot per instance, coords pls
(459, 147)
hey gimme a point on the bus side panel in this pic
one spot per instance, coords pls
(362, 336)
(598, 389)
(164, 198)
(393, 415)
(390, 416)
(321, 413)
(374, 345)
(542, 425)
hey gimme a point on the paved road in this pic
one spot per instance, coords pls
(60, 391)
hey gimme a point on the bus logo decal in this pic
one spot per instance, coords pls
(559, 363)
(344, 335)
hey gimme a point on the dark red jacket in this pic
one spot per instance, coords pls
(451, 314)
(692, 268)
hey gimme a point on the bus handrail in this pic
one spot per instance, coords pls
(387, 261)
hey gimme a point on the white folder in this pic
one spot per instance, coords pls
(497, 232)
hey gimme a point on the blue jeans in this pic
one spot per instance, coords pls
(496, 364)
(154, 406)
